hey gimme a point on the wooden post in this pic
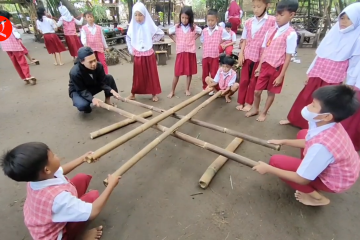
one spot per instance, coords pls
(211, 171)
(137, 157)
(197, 142)
(117, 142)
(117, 125)
(210, 126)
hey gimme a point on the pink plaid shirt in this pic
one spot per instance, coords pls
(275, 51)
(185, 42)
(328, 70)
(344, 171)
(38, 211)
(211, 43)
(69, 27)
(225, 79)
(253, 47)
(11, 44)
(94, 41)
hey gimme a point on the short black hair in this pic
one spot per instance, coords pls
(88, 13)
(212, 12)
(340, 100)
(287, 5)
(84, 52)
(187, 10)
(5, 14)
(228, 61)
(228, 25)
(25, 162)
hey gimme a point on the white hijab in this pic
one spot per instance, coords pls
(141, 34)
(66, 15)
(339, 45)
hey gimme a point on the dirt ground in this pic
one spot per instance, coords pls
(153, 200)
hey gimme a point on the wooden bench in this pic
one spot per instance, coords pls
(308, 39)
(161, 57)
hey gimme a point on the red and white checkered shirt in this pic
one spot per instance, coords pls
(211, 42)
(185, 42)
(69, 27)
(328, 70)
(38, 211)
(275, 53)
(344, 171)
(94, 41)
(253, 47)
(11, 44)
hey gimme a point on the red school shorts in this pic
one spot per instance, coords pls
(267, 76)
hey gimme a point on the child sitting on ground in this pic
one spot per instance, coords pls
(55, 208)
(329, 161)
(225, 79)
(227, 45)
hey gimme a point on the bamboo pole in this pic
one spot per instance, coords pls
(214, 127)
(117, 142)
(197, 142)
(137, 157)
(118, 125)
(211, 171)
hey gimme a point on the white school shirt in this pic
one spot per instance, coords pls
(15, 31)
(217, 77)
(291, 40)
(255, 26)
(225, 35)
(231, 37)
(172, 30)
(92, 30)
(46, 26)
(66, 207)
(353, 72)
(77, 22)
(317, 157)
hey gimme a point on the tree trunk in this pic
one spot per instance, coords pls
(130, 5)
(327, 23)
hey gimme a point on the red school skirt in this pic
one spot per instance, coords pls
(73, 43)
(145, 76)
(352, 126)
(303, 99)
(53, 43)
(185, 64)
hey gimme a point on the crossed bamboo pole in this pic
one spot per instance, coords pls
(133, 133)
(209, 125)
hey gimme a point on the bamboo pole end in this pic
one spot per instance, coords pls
(277, 147)
(105, 182)
(89, 159)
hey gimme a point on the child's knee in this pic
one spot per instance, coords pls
(235, 87)
(258, 93)
(301, 134)
(208, 80)
(274, 160)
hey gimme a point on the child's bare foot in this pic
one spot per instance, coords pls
(131, 97)
(262, 117)
(31, 80)
(284, 122)
(240, 107)
(93, 234)
(155, 98)
(187, 93)
(247, 108)
(27, 82)
(61, 64)
(171, 95)
(227, 99)
(308, 200)
(55, 63)
(252, 112)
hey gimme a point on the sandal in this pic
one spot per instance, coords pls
(31, 80)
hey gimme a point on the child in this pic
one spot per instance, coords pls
(18, 37)
(185, 35)
(278, 46)
(329, 161)
(71, 37)
(15, 51)
(141, 34)
(52, 42)
(331, 62)
(92, 36)
(253, 36)
(211, 37)
(227, 46)
(351, 124)
(234, 15)
(55, 207)
(225, 79)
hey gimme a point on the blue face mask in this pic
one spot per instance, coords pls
(348, 29)
(309, 116)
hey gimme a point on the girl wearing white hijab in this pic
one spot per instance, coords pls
(68, 22)
(331, 63)
(141, 34)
